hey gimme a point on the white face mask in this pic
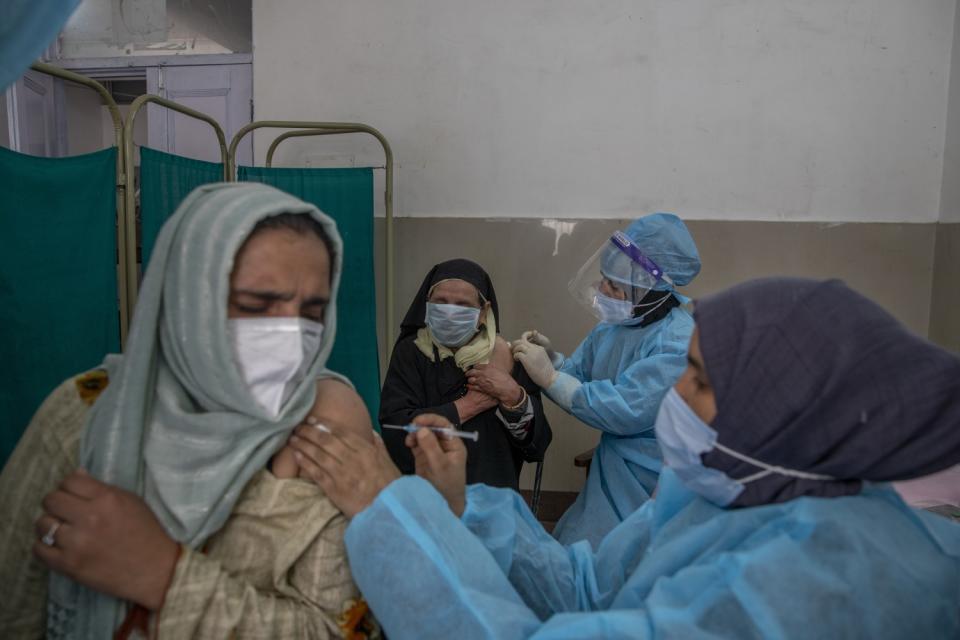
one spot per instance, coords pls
(273, 355)
(611, 310)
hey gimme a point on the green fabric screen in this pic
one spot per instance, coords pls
(59, 312)
(346, 195)
(165, 180)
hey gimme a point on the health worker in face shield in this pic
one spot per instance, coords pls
(617, 377)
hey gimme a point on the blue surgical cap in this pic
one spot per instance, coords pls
(664, 239)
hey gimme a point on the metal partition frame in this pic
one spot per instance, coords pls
(334, 128)
(120, 181)
(303, 132)
(131, 201)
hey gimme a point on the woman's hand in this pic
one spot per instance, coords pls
(440, 460)
(284, 465)
(351, 470)
(107, 539)
(335, 403)
(473, 404)
(496, 383)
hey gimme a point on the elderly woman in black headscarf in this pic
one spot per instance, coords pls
(450, 360)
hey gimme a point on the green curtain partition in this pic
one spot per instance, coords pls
(165, 180)
(346, 195)
(59, 313)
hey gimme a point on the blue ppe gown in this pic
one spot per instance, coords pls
(624, 371)
(864, 566)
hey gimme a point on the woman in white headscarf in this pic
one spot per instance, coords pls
(187, 518)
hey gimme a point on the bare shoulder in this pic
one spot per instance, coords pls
(340, 407)
(501, 357)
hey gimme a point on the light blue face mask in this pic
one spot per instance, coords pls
(452, 325)
(684, 438)
(611, 310)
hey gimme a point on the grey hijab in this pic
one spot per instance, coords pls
(813, 376)
(177, 425)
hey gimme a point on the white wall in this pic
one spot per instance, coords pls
(107, 28)
(828, 110)
(950, 193)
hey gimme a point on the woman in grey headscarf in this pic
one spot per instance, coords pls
(188, 515)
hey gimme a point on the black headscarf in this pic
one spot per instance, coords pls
(459, 269)
(813, 376)
(659, 312)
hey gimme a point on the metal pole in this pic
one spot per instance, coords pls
(296, 134)
(121, 183)
(131, 206)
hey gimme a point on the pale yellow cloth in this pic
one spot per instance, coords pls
(277, 569)
(477, 351)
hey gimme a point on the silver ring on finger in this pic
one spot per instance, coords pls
(49, 538)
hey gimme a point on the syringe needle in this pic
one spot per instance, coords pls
(444, 431)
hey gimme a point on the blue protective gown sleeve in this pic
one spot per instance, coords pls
(551, 578)
(425, 576)
(630, 400)
(678, 567)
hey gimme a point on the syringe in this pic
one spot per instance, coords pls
(443, 431)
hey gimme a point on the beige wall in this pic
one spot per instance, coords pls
(530, 267)
(945, 303)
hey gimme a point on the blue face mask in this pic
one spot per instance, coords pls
(452, 325)
(684, 438)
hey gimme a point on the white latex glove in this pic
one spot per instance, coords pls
(538, 338)
(535, 360)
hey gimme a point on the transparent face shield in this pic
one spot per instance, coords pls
(615, 279)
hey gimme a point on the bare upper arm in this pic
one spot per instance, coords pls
(502, 358)
(341, 408)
